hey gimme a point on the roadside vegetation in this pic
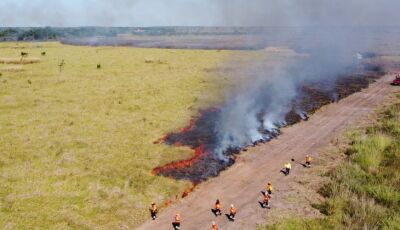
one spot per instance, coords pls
(364, 191)
(77, 126)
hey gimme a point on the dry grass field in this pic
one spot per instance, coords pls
(78, 126)
(76, 141)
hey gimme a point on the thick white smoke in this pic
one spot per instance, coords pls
(239, 122)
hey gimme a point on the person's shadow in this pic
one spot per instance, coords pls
(263, 205)
(175, 226)
(216, 212)
(229, 217)
(304, 165)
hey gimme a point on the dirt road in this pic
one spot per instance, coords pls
(241, 184)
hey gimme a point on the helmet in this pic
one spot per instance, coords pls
(232, 206)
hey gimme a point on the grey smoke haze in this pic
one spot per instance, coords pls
(199, 12)
(258, 108)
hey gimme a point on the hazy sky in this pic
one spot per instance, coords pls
(198, 12)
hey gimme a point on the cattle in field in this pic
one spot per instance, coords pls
(23, 54)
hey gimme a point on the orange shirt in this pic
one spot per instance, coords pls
(153, 208)
(308, 158)
(218, 206)
(177, 218)
(233, 210)
(214, 227)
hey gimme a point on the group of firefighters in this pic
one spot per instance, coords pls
(232, 210)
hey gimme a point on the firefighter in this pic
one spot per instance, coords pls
(177, 222)
(265, 203)
(308, 161)
(214, 226)
(269, 188)
(232, 212)
(287, 168)
(153, 211)
(218, 208)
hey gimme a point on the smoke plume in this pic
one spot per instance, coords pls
(66, 13)
(257, 110)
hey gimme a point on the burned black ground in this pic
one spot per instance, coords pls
(201, 135)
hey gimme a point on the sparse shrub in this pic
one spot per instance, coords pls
(23, 61)
(325, 208)
(148, 60)
(350, 151)
(327, 190)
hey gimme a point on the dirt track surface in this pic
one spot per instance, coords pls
(241, 184)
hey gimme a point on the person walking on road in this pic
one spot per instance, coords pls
(269, 188)
(232, 212)
(177, 222)
(153, 211)
(287, 167)
(218, 208)
(265, 203)
(214, 226)
(308, 161)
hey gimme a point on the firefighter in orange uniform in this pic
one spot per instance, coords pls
(308, 161)
(218, 208)
(287, 167)
(232, 212)
(177, 222)
(265, 203)
(214, 226)
(153, 211)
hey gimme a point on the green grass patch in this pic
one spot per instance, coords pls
(364, 192)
